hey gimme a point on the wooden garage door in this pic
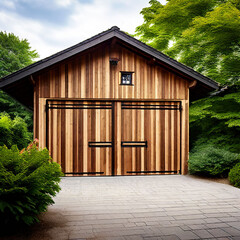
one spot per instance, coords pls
(79, 136)
(150, 138)
(146, 136)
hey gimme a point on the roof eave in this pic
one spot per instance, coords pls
(98, 39)
(169, 61)
(40, 65)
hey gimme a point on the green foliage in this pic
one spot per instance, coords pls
(15, 109)
(28, 181)
(234, 175)
(208, 160)
(216, 120)
(203, 34)
(14, 132)
(14, 55)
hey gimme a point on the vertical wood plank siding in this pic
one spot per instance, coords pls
(89, 76)
(80, 127)
(156, 155)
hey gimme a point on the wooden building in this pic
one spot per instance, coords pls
(111, 105)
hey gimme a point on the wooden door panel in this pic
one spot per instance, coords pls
(147, 137)
(150, 132)
(82, 143)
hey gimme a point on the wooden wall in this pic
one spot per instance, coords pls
(89, 76)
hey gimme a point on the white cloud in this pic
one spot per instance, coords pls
(64, 3)
(85, 20)
(8, 3)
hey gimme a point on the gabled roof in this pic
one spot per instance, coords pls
(100, 38)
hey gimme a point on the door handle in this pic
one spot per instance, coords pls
(134, 144)
(99, 144)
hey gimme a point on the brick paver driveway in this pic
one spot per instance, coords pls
(143, 207)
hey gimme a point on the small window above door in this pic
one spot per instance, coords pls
(126, 78)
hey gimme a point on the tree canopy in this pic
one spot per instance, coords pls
(14, 55)
(203, 34)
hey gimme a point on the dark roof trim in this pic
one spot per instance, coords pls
(91, 42)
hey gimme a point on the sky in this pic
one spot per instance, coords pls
(53, 25)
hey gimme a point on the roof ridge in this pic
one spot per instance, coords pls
(99, 38)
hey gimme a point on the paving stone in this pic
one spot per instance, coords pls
(112, 225)
(183, 212)
(189, 221)
(229, 219)
(233, 231)
(139, 237)
(186, 235)
(149, 214)
(169, 230)
(235, 224)
(129, 225)
(184, 227)
(216, 225)
(152, 238)
(189, 217)
(225, 238)
(77, 235)
(235, 214)
(171, 237)
(152, 223)
(140, 224)
(212, 220)
(143, 207)
(219, 233)
(110, 238)
(229, 210)
(113, 216)
(203, 233)
(197, 226)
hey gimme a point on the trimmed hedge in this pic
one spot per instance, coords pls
(28, 181)
(208, 160)
(234, 175)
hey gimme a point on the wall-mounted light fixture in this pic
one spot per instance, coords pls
(114, 61)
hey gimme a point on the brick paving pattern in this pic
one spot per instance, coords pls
(146, 207)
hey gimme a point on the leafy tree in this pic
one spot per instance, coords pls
(203, 34)
(216, 120)
(14, 55)
(14, 132)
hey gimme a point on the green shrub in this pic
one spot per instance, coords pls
(234, 175)
(28, 181)
(209, 160)
(14, 132)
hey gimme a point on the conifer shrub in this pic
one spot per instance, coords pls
(210, 160)
(28, 181)
(234, 175)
